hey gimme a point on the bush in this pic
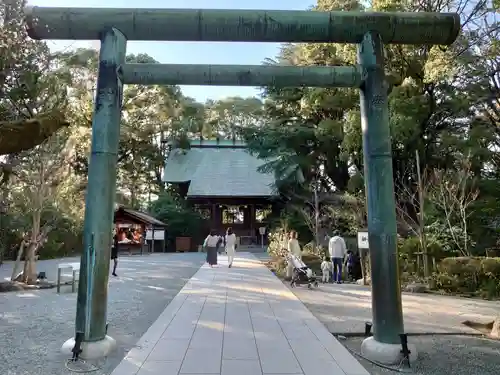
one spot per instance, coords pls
(65, 238)
(277, 266)
(310, 248)
(181, 220)
(410, 253)
(277, 246)
(470, 275)
(407, 254)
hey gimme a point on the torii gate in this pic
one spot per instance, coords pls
(369, 30)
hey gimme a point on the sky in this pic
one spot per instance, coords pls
(195, 52)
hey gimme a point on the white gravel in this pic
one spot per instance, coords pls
(345, 309)
(438, 355)
(33, 325)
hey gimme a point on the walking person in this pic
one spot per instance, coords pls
(337, 249)
(220, 244)
(114, 252)
(293, 245)
(293, 249)
(211, 244)
(349, 264)
(230, 246)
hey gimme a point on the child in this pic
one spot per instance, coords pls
(326, 270)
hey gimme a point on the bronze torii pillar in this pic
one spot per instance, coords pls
(368, 30)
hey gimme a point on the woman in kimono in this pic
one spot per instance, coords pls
(210, 244)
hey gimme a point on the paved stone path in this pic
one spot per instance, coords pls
(239, 320)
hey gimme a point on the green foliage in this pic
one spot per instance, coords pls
(443, 105)
(227, 117)
(469, 275)
(440, 233)
(438, 107)
(181, 221)
(66, 239)
(410, 253)
(278, 239)
(294, 221)
(33, 92)
(407, 254)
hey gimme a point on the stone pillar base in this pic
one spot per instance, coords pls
(91, 350)
(387, 354)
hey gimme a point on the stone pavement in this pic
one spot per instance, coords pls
(240, 320)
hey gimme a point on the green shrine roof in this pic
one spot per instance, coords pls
(221, 168)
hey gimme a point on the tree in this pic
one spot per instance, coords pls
(452, 193)
(38, 176)
(181, 220)
(436, 103)
(311, 209)
(411, 196)
(30, 109)
(225, 118)
(33, 108)
(151, 117)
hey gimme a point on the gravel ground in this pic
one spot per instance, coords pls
(34, 324)
(345, 308)
(457, 355)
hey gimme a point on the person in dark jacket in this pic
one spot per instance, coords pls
(114, 253)
(211, 244)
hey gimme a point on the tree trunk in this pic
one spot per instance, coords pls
(421, 218)
(316, 218)
(29, 273)
(18, 260)
(30, 265)
(364, 266)
(495, 330)
(4, 191)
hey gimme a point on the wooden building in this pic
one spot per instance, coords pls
(131, 227)
(221, 180)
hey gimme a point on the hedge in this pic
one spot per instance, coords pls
(469, 275)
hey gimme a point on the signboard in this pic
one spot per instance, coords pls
(363, 240)
(159, 235)
(262, 231)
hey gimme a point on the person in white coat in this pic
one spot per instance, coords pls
(293, 249)
(230, 241)
(293, 245)
(337, 249)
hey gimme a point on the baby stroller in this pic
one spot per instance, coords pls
(301, 273)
